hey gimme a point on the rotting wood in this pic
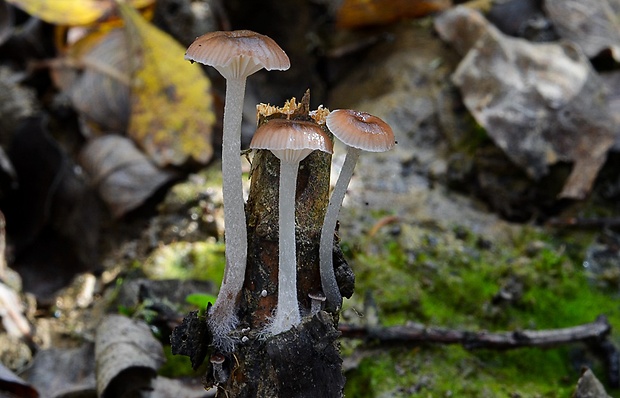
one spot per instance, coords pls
(304, 361)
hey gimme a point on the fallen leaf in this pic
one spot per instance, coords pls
(592, 24)
(16, 103)
(589, 386)
(166, 388)
(611, 80)
(360, 13)
(541, 103)
(95, 75)
(171, 105)
(6, 22)
(123, 175)
(64, 372)
(522, 18)
(71, 12)
(127, 357)
(13, 386)
(461, 28)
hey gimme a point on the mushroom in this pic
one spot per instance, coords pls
(316, 302)
(359, 131)
(236, 55)
(290, 141)
(219, 373)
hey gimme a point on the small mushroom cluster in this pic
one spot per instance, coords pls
(236, 55)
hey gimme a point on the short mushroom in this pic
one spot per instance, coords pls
(316, 302)
(236, 55)
(290, 141)
(219, 373)
(359, 131)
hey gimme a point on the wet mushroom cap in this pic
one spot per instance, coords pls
(286, 136)
(361, 130)
(243, 51)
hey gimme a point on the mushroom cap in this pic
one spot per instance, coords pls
(361, 130)
(217, 358)
(237, 53)
(317, 296)
(291, 140)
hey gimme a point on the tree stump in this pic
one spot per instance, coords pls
(304, 361)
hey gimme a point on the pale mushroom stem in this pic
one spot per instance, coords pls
(326, 260)
(287, 311)
(223, 315)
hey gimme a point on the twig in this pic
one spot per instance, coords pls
(579, 222)
(594, 333)
(418, 333)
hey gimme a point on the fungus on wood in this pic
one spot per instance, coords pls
(358, 131)
(291, 141)
(236, 55)
(305, 360)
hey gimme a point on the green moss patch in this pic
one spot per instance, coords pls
(455, 279)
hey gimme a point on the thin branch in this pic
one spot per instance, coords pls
(579, 222)
(594, 333)
(418, 333)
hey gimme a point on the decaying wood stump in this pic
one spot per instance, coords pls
(304, 361)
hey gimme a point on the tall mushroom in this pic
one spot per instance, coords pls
(290, 141)
(236, 55)
(359, 131)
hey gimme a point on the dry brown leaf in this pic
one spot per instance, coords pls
(123, 175)
(592, 24)
(64, 372)
(171, 104)
(127, 357)
(72, 12)
(359, 13)
(611, 80)
(589, 386)
(166, 388)
(95, 75)
(102, 92)
(12, 385)
(540, 102)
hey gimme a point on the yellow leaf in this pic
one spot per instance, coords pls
(172, 113)
(71, 12)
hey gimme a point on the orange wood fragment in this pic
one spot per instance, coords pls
(360, 13)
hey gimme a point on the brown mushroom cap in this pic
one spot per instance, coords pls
(361, 130)
(237, 53)
(217, 359)
(284, 137)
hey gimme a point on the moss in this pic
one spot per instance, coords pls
(187, 260)
(446, 277)
(179, 366)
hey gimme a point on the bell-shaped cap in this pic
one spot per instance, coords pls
(291, 140)
(361, 130)
(237, 54)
